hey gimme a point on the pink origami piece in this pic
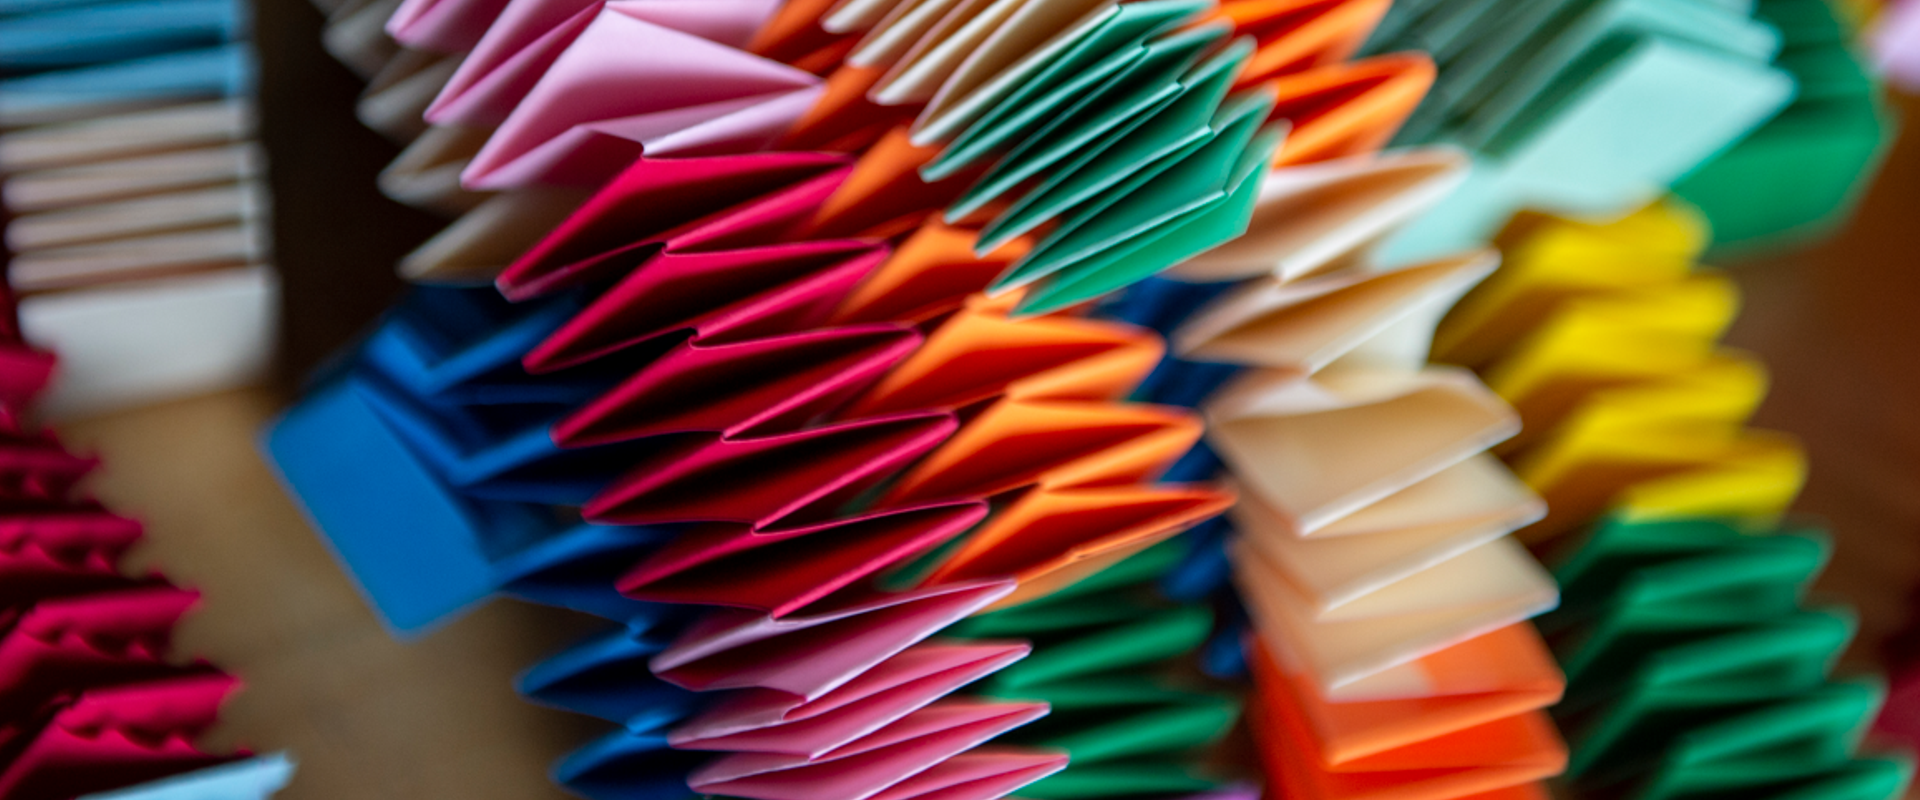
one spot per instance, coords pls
(809, 654)
(527, 36)
(630, 84)
(756, 720)
(1900, 716)
(733, 390)
(768, 481)
(118, 736)
(984, 773)
(871, 764)
(62, 553)
(91, 639)
(659, 208)
(442, 26)
(779, 572)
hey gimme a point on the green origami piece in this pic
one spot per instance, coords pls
(1106, 719)
(1869, 778)
(1691, 561)
(1830, 139)
(1130, 779)
(1495, 93)
(1155, 218)
(1100, 656)
(1124, 101)
(1155, 141)
(1160, 248)
(1108, 49)
(1716, 728)
(1694, 673)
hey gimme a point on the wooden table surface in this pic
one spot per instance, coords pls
(367, 717)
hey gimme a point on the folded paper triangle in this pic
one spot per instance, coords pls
(870, 764)
(570, 130)
(655, 204)
(764, 722)
(809, 654)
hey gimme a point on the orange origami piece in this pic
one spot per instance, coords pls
(844, 119)
(883, 195)
(1492, 743)
(1018, 443)
(979, 354)
(933, 271)
(1051, 538)
(1294, 35)
(1349, 108)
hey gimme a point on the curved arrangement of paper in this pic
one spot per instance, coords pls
(135, 201)
(1693, 668)
(1122, 136)
(89, 699)
(782, 326)
(1002, 159)
(834, 442)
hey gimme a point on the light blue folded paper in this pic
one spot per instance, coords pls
(254, 778)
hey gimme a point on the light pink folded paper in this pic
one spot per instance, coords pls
(985, 773)
(527, 37)
(810, 654)
(759, 722)
(629, 84)
(871, 764)
(442, 26)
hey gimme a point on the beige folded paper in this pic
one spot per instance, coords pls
(60, 268)
(356, 35)
(395, 102)
(192, 209)
(483, 241)
(128, 178)
(426, 175)
(1321, 448)
(126, 135)
(1034, 32)
(1377, 317)
(1309, 217)
(906, 24)
(1476, 592)
(1462, 508)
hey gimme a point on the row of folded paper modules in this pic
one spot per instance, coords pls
(1076, 521)
(1371, 536)
(1694, 662)
(1569, 107)
(138, 229)
(92, 703)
